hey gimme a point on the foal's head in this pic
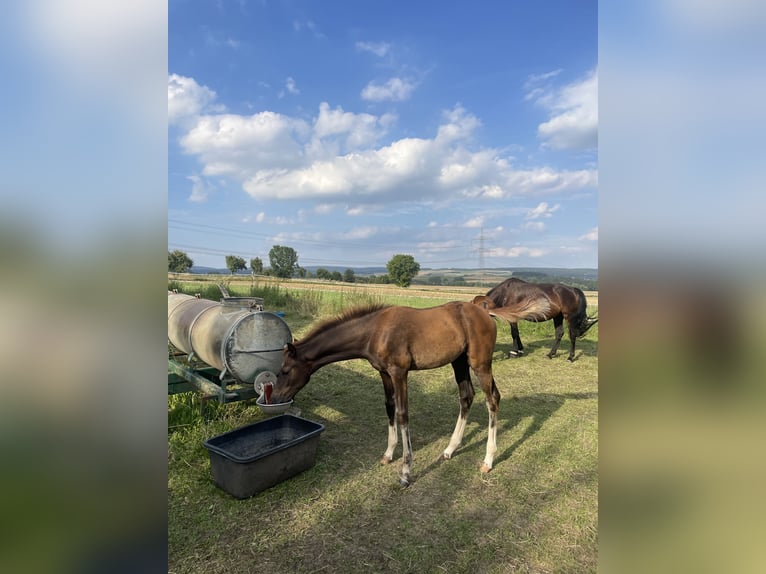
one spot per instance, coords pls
(292, 377)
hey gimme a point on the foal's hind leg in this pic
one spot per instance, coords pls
(558, 322)
(388, 389)
(463, 379)
(492, 395)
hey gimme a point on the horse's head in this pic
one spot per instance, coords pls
(292, 377)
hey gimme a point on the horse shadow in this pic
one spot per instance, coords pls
(540, 406)
(585, 348)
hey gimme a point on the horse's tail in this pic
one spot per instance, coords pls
(530, 308)
(580, 319)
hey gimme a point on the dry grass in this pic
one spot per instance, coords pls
(535, 512)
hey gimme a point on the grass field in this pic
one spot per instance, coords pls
(537, 511)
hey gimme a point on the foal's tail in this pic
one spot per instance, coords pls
(530, 308)
(580, 319)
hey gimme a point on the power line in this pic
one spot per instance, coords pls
(481, 251)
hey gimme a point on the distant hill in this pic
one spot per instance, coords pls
(521, 272)
(201, 270)
(584, 278)
(452, 275)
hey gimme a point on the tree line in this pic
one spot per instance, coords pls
(284, 264)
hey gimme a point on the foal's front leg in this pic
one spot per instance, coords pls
(388, 389)
(399, 380)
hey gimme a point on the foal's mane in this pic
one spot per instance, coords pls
(347, 315)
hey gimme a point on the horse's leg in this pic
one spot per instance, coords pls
(517, 348)
(492, 395)
(465, 387)
(393, 437)
(572, 337)
(399, 379)
(558, 322)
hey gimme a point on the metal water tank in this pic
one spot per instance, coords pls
(231, 335)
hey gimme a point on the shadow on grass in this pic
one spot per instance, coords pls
(539, 406)
(583, 347)
(364, 411)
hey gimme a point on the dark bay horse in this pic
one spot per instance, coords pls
(396, 340)
(565, 303)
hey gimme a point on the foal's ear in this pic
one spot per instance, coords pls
(482, 301)
(290, 350)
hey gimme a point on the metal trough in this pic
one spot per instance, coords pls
(235, 336)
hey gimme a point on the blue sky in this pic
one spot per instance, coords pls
(352, 131)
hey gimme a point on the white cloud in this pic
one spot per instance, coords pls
(427, 247)
(474, 222)
(337, 131)
(361, 233)
(395, 90)
(299, 26)
(187, 99)
(512, 182)
(542, 210)
(592, 235)
(356, 210)
(337, 157)
(573, 109)
(519, 251)
(537, 226)
(242, 146)
(200, 189)
(380, 49)
(458, 124)
(291, 87)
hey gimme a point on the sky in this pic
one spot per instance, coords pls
(463, 134)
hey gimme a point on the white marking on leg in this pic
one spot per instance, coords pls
(491, 441)
(404, 475)
(457, 436)
(393, 438)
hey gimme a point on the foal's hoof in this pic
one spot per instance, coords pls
(485, 468)
(385, 460)
(405, 482)
(445, 456)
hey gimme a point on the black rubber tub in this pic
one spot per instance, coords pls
(255, 457)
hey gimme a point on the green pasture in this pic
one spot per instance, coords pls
(537, 511)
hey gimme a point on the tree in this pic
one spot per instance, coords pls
(234, 263)
(336, 276)
(256, 265)
(284, 261)
(323, 273)
(349, 276)
(179, 262)
(402, 268)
